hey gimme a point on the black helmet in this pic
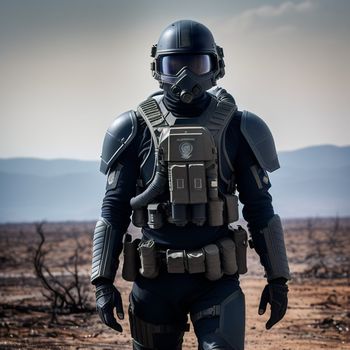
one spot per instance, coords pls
(186, 60)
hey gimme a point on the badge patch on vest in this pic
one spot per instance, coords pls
(186, 150)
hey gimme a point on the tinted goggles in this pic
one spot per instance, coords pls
(172, 64)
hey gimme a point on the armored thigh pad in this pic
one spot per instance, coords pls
(230, 333)
(232, 320)
(147, 335)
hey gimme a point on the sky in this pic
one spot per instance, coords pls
(69, 67)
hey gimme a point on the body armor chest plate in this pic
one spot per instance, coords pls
(184, 167)
(215, 119)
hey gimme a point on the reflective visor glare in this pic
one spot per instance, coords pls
(172, 64)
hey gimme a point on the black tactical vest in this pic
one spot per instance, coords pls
(188, 161)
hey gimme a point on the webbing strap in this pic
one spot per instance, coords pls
(220, 119)
(206, 313)
(151, 111)
(217, 125)
(152, 115)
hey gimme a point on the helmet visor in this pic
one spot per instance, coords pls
(172, 64)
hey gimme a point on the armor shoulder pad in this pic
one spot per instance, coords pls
(117, 138)
(260, 140)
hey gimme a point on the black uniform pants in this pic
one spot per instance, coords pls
(162, 306)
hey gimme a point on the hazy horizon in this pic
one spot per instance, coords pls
(28, 186)
(98, 159)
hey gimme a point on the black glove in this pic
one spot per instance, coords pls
(274, 293)
(108, 298)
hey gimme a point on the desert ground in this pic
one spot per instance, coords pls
(47, 302)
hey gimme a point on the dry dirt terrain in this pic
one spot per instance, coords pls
(318, 315)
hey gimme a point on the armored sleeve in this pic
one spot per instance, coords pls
(115, 214)
(265, 227)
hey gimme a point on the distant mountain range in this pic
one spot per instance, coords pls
(312, 181)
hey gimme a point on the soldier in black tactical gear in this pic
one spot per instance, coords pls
(175, 165)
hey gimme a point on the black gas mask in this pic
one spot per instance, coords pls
(186, 76)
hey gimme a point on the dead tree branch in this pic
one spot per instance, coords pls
(65, 293)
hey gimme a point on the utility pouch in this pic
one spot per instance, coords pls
(212, 262)
(148, 256)
(155, 216)
(227, 249)
(215, 212)
(231, 206)
(131, 263)
(175, 261)
(240, 238)
(195, 261)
